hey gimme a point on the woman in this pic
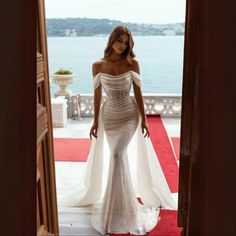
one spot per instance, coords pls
(122, 163)
(116, 72)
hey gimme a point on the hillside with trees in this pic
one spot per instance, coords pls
(73, 27)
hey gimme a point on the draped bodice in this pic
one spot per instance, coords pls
(117, 86)
(119, 106)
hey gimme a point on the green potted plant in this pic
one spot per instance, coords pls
(63, 78)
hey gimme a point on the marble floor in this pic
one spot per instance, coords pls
(76, 221)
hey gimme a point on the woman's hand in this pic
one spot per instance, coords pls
(144, 127)
(93, 130)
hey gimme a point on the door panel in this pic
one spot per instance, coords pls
(190, 126)
(47, 221)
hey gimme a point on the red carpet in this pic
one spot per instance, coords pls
(176, 145)
(71, 149)
(162, 146)
(167, 225)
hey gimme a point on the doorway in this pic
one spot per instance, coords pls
(172, 125)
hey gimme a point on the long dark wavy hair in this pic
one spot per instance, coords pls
(114, 36)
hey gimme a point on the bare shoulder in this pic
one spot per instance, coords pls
(96, 66)
(135, 65)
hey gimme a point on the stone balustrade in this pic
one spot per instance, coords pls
(167, 105)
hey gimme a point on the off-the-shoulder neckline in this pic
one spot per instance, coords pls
(115, 75)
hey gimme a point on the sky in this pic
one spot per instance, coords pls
(135, 11)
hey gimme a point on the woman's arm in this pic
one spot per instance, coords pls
(97, 102)
(139, 100)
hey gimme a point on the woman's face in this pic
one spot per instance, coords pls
(121, 44)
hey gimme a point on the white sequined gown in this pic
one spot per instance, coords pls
(120, 211)
(116, 209)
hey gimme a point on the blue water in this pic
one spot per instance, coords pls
(160, 59)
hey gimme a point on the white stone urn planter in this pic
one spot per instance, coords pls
(63, 81)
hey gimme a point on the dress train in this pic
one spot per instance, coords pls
(121, 165)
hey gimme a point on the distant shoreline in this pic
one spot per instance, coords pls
(78, 27)
(84, 36)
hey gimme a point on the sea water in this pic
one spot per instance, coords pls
(160, 59)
